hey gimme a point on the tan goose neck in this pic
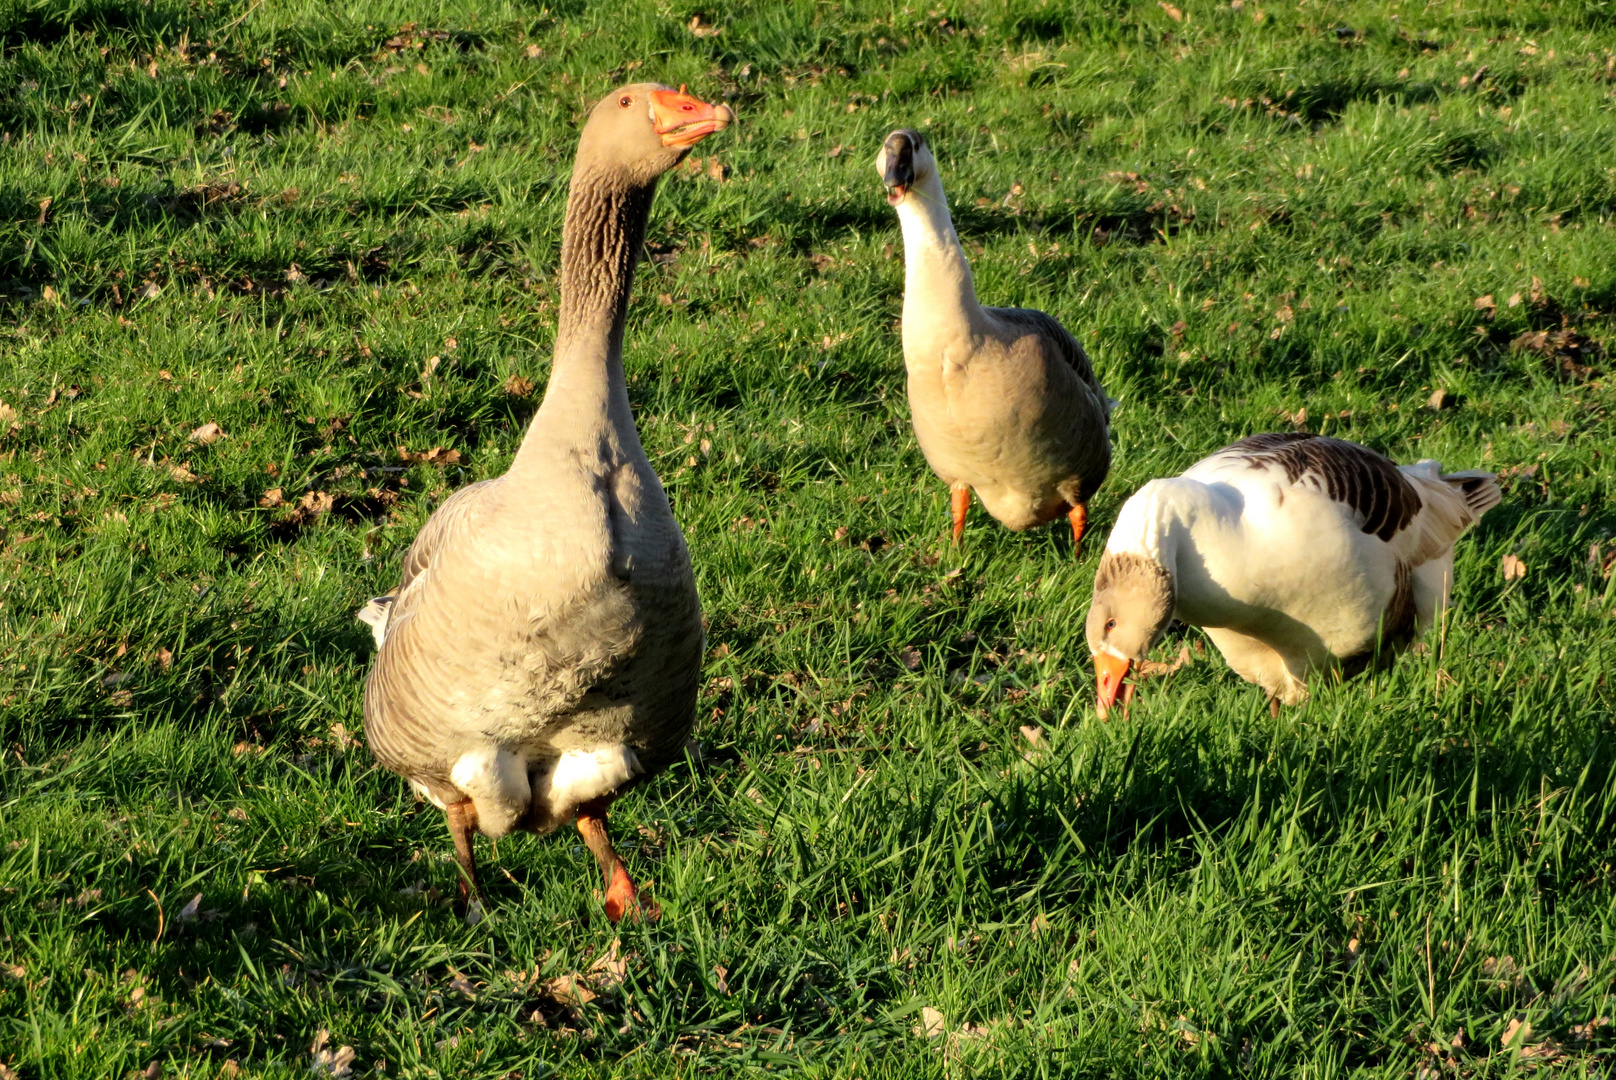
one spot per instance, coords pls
(938, 286)
(587, 395)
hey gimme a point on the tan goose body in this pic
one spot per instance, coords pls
(1004, 401)
(1295, 553)
(543, 648)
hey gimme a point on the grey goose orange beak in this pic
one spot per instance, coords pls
(684, 121)
(900, 170)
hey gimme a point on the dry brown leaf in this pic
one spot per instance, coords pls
(1486, 303)
(314, 503)
(435, 456)
(1514, 569)
(164, 658)
(703, 30)
(325, 1062)
(1439, 398)
(1033, 735)
(516, 386)
(182, 472)
(207, 434)
(1172, 12)
(931, 1024)
(272, 498)
(570, 990)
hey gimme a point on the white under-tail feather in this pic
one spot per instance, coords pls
(374, 615)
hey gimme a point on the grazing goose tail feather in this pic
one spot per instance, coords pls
(1481, 492)
(374, 615)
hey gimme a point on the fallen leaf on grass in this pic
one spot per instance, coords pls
(1157, 667)
(931, 1024)
(325, 1062)
(207, 434)
(189, 911)
(1514, 569)
(435, 456)
(570, 990)
(164, 658)
(1486, 303)
(1172, 12)
(182, 472)
(701, 29)
(516, 386)
(272, 498)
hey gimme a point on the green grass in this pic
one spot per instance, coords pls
(1243, 213)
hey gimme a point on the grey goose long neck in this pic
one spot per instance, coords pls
(600, 244)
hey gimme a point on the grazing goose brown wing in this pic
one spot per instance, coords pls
(1370, 483)
(543, 649)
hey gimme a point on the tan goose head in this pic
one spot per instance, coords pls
(1133, 603)
(642, 130)
(905, 162)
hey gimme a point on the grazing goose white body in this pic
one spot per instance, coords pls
(543, 647)
(1004, 401)
(1293, 552)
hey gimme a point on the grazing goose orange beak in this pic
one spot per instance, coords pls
(684, 121)
(1109, 673)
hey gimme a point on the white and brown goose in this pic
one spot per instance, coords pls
(1004, 401)
(543, 648)
(1295, 553)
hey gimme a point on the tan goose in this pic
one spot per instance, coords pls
(1293, 552)
(1004, 400)
(543, 648)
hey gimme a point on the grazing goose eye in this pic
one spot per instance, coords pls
(625, 101)
(1110, 625)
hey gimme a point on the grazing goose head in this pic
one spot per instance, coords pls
(644, 129)
(1133, 603)
(904, 162)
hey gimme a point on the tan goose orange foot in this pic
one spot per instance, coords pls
(1079, 517)
(960, 504)
(623, 900)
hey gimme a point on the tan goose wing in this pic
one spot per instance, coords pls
(1059, 345)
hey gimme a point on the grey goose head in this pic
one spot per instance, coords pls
(644, 129)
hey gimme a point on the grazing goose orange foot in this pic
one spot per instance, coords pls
(623, 900)
(1079, 517)
(463, 827)
(961, 505)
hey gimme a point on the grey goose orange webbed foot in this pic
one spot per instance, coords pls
(1295, 553)
(542, 651)
(1004, 401)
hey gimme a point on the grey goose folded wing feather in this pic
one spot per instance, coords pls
(381, 613)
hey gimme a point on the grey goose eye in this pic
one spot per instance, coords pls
(1110, 625)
